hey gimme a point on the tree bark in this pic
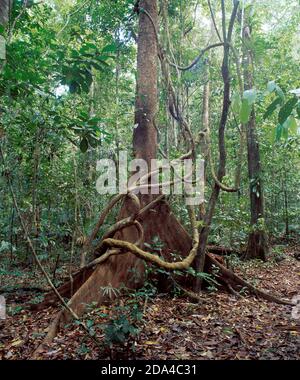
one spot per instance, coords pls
(4, 11)
(200, 259)
(145, 135)
(257, 247)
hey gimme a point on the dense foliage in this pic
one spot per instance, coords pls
(67, 99)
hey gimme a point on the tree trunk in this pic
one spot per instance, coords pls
(145, 135)
(127, 270)
(4, 11)
(200, 259)
(257, 241)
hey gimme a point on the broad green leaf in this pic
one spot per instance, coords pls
(272, 107)
(285, 131)
(271, 86)
(83, 116)
(286, 110)
(250, 96)
(102, 58)
(245, 111)
(236, 103)
(291, 125)
(279, 92)
(94, 121)
(278, 132)
(84, 145)
(75, 54)
(298, 110)
(86, 47)
(111, 48)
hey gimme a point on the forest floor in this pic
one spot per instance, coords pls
(221, 326)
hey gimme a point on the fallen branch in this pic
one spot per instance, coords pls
(51, 334)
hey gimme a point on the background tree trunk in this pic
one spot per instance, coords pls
(257, 247)
(4, 11)
(204, 233)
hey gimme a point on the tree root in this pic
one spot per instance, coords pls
(232, 291)
(51, 334)
(234, 280)
(123, 257)
(64, 290)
